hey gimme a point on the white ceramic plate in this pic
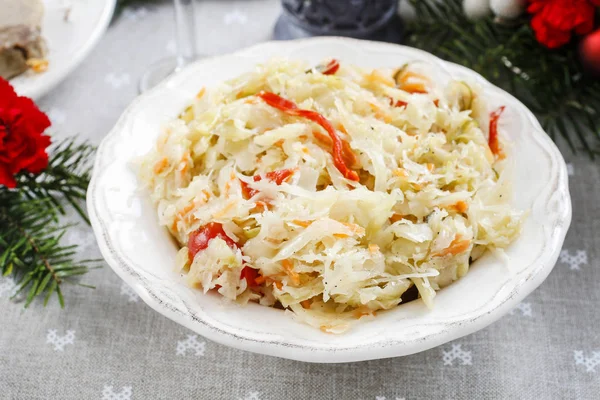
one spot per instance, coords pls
(142, 253)
(69, 41)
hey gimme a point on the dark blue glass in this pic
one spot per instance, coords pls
(364, 19)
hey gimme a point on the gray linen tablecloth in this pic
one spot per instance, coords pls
(107, 344)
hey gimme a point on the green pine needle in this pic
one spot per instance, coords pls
(30, 231)
(551, 83)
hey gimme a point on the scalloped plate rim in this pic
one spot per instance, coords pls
(327, 353)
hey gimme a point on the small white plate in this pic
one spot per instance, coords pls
(69, 39)
(142, 253)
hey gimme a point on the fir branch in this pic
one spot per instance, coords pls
(66, 177)
(551, 83)
(30, 231)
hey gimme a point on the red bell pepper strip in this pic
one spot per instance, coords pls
(250, 275)
(493, 138)
(398, 103)
(200, 238)
(274, 176)
(290, 108)
(331, 68)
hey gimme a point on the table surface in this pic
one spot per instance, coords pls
(107, 344)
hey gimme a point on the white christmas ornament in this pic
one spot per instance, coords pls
(475, 9)
(508, 9)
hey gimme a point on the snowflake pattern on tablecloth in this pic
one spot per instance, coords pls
(8, 286)
(126, 290)
(250, 396)
(235, 17)
(190, 343)
(60, 342)
(109, 394)
(523, 308)
(574, 260)
(570, 169)
(590, 362)
(457, 353)
(134, 14)
(116, 81)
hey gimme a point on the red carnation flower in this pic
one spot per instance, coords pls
(554, 20)
(22, 142)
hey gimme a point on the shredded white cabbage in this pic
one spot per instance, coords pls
(430, 195)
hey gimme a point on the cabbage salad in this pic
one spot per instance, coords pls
(332, 191)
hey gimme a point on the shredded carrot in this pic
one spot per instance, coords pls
(261, 206)
(341, 235)
(260, 279)
(302, 223)
(325, 328)
(379, 114)
(414, 88)
(305, 304)
(398, 217)
(201, 93)
(225, 209)
(354, 228)
(288, 267)
(186, 210)
(342, 128)
(185, 162)
(407, 75)
(181, 214)
(322, 138)
(163, 139)
(376, 77)
(184, 168)
(347, 153)
(417, 82)
(401, 172)
(373, 248)
(457, 246)
(161, 165)
(362, 311)
(460, 206)
(278, 285)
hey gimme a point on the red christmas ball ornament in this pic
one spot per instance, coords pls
(589, 52)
